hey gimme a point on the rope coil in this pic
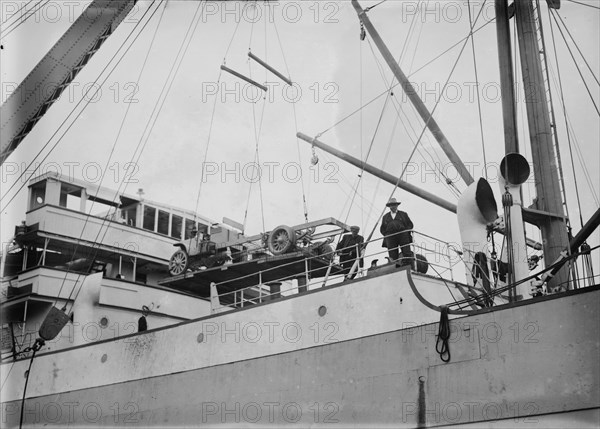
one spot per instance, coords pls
(442, 345)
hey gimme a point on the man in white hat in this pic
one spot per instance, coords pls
(396, 229)
(349, 249)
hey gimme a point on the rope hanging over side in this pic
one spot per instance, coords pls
(442, 345)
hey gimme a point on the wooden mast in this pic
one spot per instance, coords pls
(553, 226)
(413, 96)
(507, 84)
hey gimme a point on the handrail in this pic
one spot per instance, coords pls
(240, 294)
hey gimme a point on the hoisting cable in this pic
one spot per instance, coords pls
(314, 159)
(257, 133)
(442, 345)
(208, 140)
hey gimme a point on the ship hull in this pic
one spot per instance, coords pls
(530, 364)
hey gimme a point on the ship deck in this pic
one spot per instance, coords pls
(255, 272)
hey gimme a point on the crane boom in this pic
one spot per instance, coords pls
(48, 79)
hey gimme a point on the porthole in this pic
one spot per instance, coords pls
(104, 322)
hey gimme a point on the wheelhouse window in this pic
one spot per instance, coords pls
(149, 216)
(163, 222)
(38, 195)
(176, 225)
(70, 196)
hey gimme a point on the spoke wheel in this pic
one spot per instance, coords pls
(281, 240)
(178, 263)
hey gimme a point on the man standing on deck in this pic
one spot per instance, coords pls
(349, 249)
(395, 228)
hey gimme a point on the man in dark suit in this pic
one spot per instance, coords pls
(349, 248)
(395, 228)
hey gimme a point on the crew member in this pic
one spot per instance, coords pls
(396, 229)
(349, 249)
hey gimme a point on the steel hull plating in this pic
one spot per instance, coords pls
(527, 364)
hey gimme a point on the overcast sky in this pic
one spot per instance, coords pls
(317, 45)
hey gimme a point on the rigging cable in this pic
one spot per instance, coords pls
(430, 116)
(92, 88)
(257, 133)
(576, 45)
(365, 158)
(12, 27)
(553, 125)
(575, 62)
(17, 12)
(586, 261)
(152, 121)
(399, 111)
(304, 199)
(485, 164)
(562, 98)
(105, 220)
(348, 116)
(584, 4)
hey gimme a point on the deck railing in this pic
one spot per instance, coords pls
(437, 252)
(443, 260)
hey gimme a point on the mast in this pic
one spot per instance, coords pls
(507, 83)
(552, 225)
(413, 96)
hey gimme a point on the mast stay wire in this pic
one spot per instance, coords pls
(565, 114)
(103, 225)
(430, 116)
(17, 12)
(208, 141)
(17, 23)
(158, 106)
(355, 111)
(554, 15)
(287, 69)
(562, 102)
(399, 111)
(88, 98)
(363, 157)
(575, 63)
(88, 101)
(584, 4)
